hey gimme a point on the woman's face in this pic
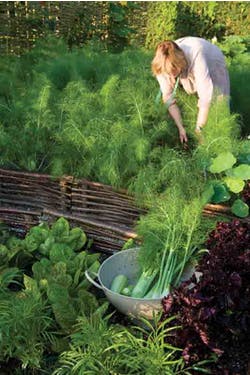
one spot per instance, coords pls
(171, 69)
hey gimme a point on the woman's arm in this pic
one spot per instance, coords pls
(167, 88)
(176, 116)
(202, 117)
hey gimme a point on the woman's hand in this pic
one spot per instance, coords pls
(183, 135)
(198, 129)
(176, 116)
(198, 132)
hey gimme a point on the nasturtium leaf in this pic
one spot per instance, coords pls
(222, 162)
(239, 208)
(207, 194)
(221, 193)
(242, 171)
(236, 185)
(244, 159)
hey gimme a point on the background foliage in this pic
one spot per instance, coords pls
(119, 23)
(208, 19)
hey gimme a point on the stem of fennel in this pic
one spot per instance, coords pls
(187, 254)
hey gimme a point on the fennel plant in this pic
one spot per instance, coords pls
(168, 232)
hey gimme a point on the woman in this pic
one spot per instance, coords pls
(199, 66)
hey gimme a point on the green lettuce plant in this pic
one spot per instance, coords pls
(43, 290)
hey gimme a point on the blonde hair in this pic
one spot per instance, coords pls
(168, 55)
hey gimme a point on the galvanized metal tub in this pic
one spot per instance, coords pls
(125, 262)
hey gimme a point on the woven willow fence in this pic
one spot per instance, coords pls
(23, 22)
(106, 215)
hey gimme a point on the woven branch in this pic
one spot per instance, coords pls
(94, 223)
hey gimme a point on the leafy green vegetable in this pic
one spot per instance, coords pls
(236, 185)
(60, 228)
(232, 180)
(208, 193)
(239, 208)
(222, 162)
(242, 172)
(77, 239)
(58, 269)
(60, 252)
(221, 193)
(46, 246)
(244, 158)
(39, 233)
(31, 243)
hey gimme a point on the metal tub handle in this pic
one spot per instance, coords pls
(91, 280)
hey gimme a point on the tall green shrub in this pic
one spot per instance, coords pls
(118, 31)
(175, 19)
(235, 16)
(198, 19)
(161, 23)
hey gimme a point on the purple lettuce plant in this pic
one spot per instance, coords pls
(214, 311)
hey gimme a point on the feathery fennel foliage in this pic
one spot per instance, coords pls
(170, 225)
(92, 114)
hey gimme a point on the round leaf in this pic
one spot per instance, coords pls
(236, 185)
(239, 208)
(242, 171)
(221, 194)
(207, 194)
(244, 159)
(222, 162)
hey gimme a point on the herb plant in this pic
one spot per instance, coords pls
(113, 349)
(167, 246)
(26, 324)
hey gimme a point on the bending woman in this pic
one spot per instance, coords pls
(200, 68)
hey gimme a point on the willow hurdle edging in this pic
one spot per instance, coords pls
(108, 216)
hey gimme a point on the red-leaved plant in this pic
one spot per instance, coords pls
(215, 310)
